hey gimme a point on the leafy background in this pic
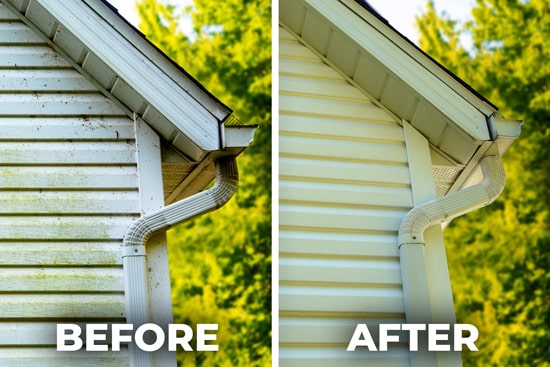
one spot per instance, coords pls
(499, 257)
(220, 263)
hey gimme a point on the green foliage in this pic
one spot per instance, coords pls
(220, 263)
(499, 257)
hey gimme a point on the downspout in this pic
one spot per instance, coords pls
(411, 233)
(134, 261)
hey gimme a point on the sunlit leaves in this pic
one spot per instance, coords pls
(499, 257)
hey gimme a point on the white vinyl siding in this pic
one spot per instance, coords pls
(68, 193)
(344, 189)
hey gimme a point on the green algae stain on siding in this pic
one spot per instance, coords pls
(68, 253)
(50, 279)
(64, 227)
(66, 202)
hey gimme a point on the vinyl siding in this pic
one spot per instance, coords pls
(344, 189)
(68, 193)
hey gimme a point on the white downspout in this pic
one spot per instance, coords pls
(133, 257)
(411, 233)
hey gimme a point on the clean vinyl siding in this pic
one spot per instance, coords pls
(68, 193)
(344, 189)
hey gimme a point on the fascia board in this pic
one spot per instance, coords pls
(369, 39)
(136, 69)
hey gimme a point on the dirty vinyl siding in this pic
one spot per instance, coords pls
(344, 189)
(68, 193)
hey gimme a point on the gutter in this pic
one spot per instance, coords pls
(133, 252)
(411, 233)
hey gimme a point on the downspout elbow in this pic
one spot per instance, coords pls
(188, 208)
(455, 204)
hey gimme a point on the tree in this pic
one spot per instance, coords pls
(220, 263)
(500, 256)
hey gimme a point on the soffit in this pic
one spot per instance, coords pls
(366, 54)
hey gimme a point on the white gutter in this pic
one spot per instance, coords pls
(411, 233)
(133, 257)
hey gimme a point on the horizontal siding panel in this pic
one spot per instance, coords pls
(381, 130)
(285, 36)
(6, 14)
(324, 356)
(63, 80)
(340, 271)
(340, 149)
(27, 333)
(17, 33)
(69, 202)
(63, 228)
(328, 330)
(49, 357)
(60, 253)
(345, 194)
(30, 57)
(57, 104)
(296, 51)
(340, 299)
(114, 177)
(343, 171)
(324, 243)
(311, 69)
(326, 107)
(334, 89)
(61, 280)
(67, 153)
(59, 128)
(62, 306)
(36, 334)
(341, 219)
